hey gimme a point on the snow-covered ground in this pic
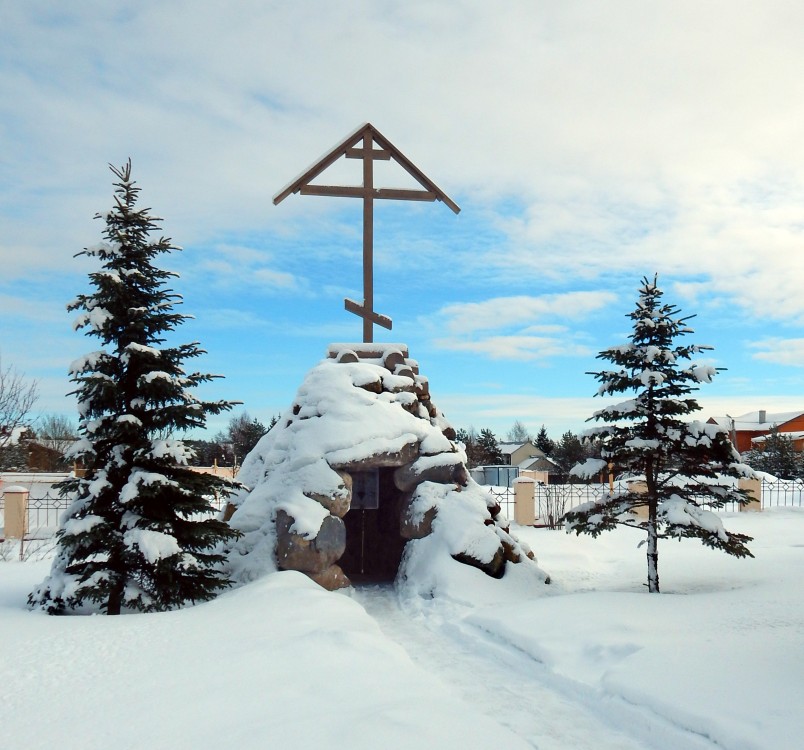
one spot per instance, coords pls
(716, 661)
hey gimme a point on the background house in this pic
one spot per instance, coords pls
(748, 430)
(515, 453)
(527, 457)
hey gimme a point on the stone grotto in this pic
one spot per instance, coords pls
(362, 479)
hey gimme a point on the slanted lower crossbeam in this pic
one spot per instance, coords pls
(355, 307)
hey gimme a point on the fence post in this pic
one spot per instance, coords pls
(639, 486)
(525, 501)
(16, 512)
(754, 489)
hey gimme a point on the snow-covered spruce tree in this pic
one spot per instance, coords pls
(685, 464)
(140, 534)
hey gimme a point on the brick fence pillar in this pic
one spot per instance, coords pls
(754, 489)
(15, 499)
(525, 502)
(640, 486)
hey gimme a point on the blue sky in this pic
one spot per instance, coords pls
(587, 145)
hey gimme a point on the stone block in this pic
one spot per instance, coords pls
(393, 359)
(331, 579)
(449, 433)
(450, 470)
(294, 552)
(494, 568)
(410, 527)
(337, 504)
(408, 454)
(346, 356)
(372, 386)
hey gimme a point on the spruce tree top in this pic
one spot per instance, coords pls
(651, 363)
(130, 311)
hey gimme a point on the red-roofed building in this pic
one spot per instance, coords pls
(749, 430)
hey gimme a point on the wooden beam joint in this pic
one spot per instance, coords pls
(377, 154)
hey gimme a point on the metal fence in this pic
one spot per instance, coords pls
(44, 513)
(504, 496)
(783, 493)
(553, 500)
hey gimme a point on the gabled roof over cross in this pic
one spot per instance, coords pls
(369, 145)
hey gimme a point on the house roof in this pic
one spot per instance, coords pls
(14, 434)
(507, 448)
(792, 435)
(750, 422)
(532, 460)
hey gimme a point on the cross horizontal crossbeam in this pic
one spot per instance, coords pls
(396, 194)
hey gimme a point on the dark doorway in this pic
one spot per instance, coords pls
(373, 543)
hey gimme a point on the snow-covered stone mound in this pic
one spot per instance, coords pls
(365, 415)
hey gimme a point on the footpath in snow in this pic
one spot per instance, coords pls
(509, 686)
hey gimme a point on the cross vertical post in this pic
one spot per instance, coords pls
(368, 236)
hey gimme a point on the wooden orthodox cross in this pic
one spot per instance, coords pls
(361, 145)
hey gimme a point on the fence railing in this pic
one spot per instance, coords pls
(553, 500)
(44, 513)
(504, 496)
(783, 493)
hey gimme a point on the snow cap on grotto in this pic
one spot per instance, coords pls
(364, 433)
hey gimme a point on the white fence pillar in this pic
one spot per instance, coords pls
(15, 499)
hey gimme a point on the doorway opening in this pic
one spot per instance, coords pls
(374, 545)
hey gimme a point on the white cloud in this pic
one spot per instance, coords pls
(525, 325)
(498, 411)
(228, 318)
(780, 351)
(246, 267)
(503, 312)
(618, 158)
(516, 347)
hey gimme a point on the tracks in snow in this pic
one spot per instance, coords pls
(546, 710)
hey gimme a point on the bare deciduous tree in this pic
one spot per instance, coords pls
(518, 433)
(17, 397)
(56, 433)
